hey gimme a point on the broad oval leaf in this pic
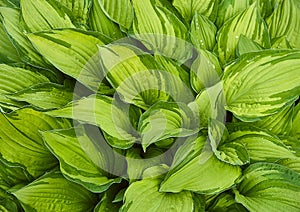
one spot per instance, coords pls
(74, 149)
(247, 23)
(144, 195)
(77, 47)
(52, 192)
(120, 11)
(258, 85)
(41, 15)
(269, 187)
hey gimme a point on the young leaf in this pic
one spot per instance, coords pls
(165, 120)
(74, 149)
(120, 12)
(269, 187)
(258, 85)
(145, 195)
(77, 47)
(246, 45)
(248, 23)
(52, 192)
(42, 15)
(20, 133)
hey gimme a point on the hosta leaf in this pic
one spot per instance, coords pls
(291, 163)
(77, 9)
(246, 45)
(144, 195)
(8, 203)
(139, 79)
(285, 22)
(44, 15)
(161, 31)
(120, 12)
(248, 23)
(225, 203)
(101, 23)
(197, 169)
(8, 53)
(260, 145)
(111, 115)
(10, 3)
(230, 8)
(203, 32)
(53, 192)
(252, 92)
(165, 120)
(295, 131)
(77, 47)
(74, 149)
(281, 43)
(11, 23)
(279, 123)
(293, 143)
(269, 187)
(45, 95)
(20, 133)
(205, 71)
(189, 8)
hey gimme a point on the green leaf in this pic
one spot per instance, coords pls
(248, 23)
(269, 187)
(295, 131)
(251, 83)
(246, 45)
(261, 146)
(139, 79)
(291, 163)
(11, 22)
(165, 120)
(189, 8)
(205, 71)
(101, 23)
(284, 22)
(203, 32)
(224, 203)
(145, 195)
(120, 12)
(75, 150)
(42, 15)
(20, 133)
(10, 3)
(111, 115)
(8, 53)
(230, 8)
(195, 168)
(8, 203)
(161, 31)
(77, 47)
(53, 192)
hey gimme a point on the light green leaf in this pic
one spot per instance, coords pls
(285, 21)
(251, 83)
(111, 115)
(139, 79)
(101, 23)
(203, 32)
(165, 120)
(53, 193)
(189, 8)
(224, 203)
(144, 195)
(230, 8)
(8, 53)
(281, 43)
(42, 15)
(45, 95)
(205, 71)
(11, 21)
(291, 163)
(120, 11)
(161, 31)
(295, 131)
(20, 134)
(77, 47)
(77, 10)
(260, 145)
(246, 45)
(195, 168)
(74, 149)
(248, 23)
(269, 187)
